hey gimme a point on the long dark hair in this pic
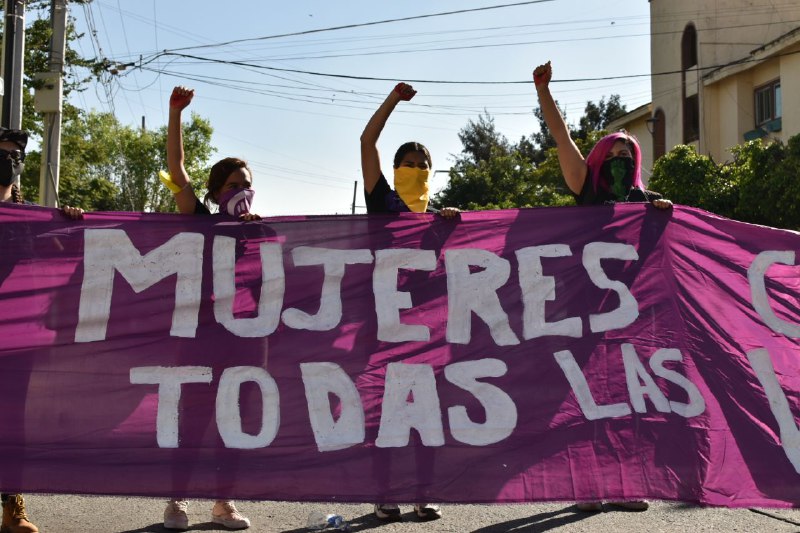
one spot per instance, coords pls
(598, 154)
(411, 147)
(16, 194)
(219, 175)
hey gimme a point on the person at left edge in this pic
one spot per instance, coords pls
(12, 158)
(12, 161)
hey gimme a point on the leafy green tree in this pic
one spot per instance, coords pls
(104, 165)
(537, 145)
(109, 166)
(497, 181)
(491, 173)
(78, 69)
(481, 140)
(759, 185)
(598, 116)
(144, 154)
(689, 178)
(767, 176)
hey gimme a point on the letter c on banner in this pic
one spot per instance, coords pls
(758, 290)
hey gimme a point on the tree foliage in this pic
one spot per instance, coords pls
(106, 165)
(78, 69)
(493, 173)
(759, 185)
(598, 116)
(688, 178)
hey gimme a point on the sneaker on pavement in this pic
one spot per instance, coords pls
(387, 512)
(15, 519)
(175, 516)
(426, 511)
(225, 513)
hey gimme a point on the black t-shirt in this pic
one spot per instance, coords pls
(588, 196)
(383, 199)
(200, 208)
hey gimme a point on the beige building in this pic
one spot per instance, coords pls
(723, 72)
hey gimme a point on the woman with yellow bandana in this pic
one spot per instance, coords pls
(412, 169)
(412, 166)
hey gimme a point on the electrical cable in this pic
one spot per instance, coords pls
(470, 82)
(363, 24)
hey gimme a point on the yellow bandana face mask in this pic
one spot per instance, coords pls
(411, 185)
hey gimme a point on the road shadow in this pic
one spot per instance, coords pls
(539, 522)
(366, 522)
(202, 526)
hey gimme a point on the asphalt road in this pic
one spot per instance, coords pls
(94, 514)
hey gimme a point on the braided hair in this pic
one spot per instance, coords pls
(16, 194)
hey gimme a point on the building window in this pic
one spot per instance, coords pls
(691, 104)
(689, 47)
(691, 119)
(659, 134)
(768, 103)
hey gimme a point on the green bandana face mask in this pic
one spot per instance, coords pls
(616, 176)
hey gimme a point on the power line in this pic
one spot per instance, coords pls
(362, 24)
(463, 82)
(338, 97)
(678, 16)
(216, 81)
(373, 52)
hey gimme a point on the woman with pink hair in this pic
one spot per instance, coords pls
(611, 173)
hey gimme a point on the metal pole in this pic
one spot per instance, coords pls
(13, 62)
(355, 189)
(51, 137)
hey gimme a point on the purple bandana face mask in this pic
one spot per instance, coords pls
(236, 201)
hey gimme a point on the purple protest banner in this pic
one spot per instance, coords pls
(616, 352)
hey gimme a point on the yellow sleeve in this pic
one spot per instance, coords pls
(167, 181)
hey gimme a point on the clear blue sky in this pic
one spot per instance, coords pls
(300, 132)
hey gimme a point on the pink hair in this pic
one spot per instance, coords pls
(598, 154)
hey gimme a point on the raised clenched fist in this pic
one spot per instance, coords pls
(542, 75)
(405, 91)
(180, 97)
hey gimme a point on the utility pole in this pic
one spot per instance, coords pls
(48, 101)
(13, 61)
(355, 188)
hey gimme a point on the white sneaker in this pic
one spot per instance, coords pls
(175, 516)
(225, 513)
(387, 512)
(426, 511)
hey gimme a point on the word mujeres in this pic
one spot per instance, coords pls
(473, 279)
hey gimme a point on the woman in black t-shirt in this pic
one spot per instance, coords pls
(412, 166)
(612, 172)
(412, 169)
